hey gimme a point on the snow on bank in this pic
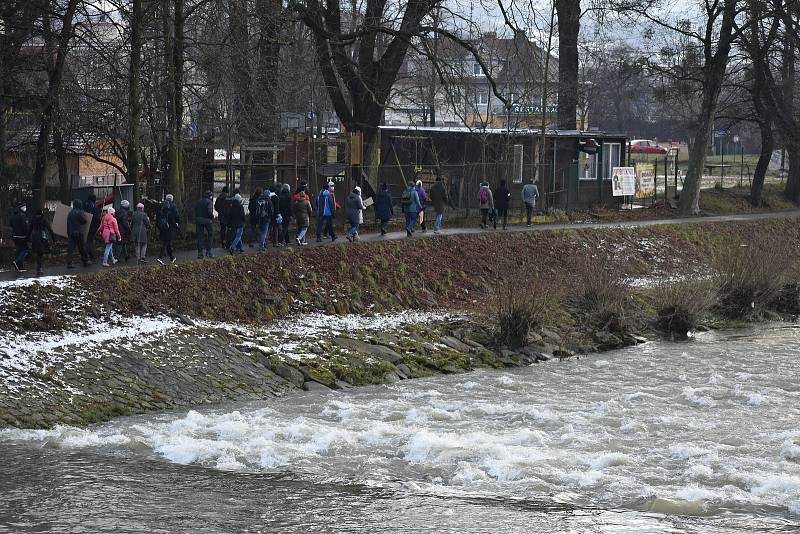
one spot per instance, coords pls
(294, 337)
(17, 351)
(60, 282)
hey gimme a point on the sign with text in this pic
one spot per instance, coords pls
(645, 180)
(517, 109)
(623, 181)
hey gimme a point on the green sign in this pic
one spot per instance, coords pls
(532, 110)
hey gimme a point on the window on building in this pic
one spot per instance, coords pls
(611, 158)
(477, 70)
(587, 166)
(483, 98)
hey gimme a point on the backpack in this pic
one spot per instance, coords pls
(483, 195)
(163, 220)
(405, 199)
(261, 212)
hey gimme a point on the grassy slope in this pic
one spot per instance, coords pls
(455, 271)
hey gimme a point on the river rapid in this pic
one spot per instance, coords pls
(663, 437)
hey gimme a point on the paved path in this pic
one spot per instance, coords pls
(184, 256)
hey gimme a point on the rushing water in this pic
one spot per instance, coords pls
(698, 437)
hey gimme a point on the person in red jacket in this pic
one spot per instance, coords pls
(109, 229)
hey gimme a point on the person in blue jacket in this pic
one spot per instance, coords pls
(411, 207)
(383, 208)
(326, 209)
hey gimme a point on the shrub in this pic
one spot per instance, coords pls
(753, 278)
(601, 295)
(522, 304)
(680, 306)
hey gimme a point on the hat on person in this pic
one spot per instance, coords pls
(357, 190)
(286, 187)
(139, 206)
(170, 198)
(111, 211)
(419, 183)
(238, 197)
(331, 185)
(125, 204)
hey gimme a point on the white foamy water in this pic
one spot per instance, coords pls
(704, 429)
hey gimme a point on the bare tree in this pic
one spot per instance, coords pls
(772, 44)
(57, 32)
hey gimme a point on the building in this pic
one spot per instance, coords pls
(455, 88)
(464, 157)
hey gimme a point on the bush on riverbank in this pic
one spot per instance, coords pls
(601, 295)
(681, 306)
(522, 305)
(756, 278)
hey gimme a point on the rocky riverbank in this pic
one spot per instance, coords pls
(183, 363)
(84, 349)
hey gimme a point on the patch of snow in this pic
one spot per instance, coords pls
(55, 281)
(17, 351)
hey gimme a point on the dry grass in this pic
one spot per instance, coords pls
(601, 295)
(522, 305)
(680, 306)
(756, 277)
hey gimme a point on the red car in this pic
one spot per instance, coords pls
(646, 146)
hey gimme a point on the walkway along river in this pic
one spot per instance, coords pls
(692, 437)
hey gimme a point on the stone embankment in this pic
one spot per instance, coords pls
(195, 364)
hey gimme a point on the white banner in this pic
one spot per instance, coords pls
(623, 181)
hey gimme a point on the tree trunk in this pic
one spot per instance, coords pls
(169, 66)
(3, 142)
(176, 177)
(269, 13)
(54, 79)
(767, 146)
(134, 96)
(173, 45)
(65, 187)
(792, 191)
(690, 195)
(569, 21)
(713, 77)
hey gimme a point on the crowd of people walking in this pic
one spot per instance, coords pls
(263, 221)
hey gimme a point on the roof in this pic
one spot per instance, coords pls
(522, 132)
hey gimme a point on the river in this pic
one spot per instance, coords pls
(664, 437)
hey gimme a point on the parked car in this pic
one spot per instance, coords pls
(646, 146)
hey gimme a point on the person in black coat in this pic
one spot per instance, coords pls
(75, 223)
(204, 224)
(90, 207)
(501, 200)
(123, 216)
(20, 231)
(220, 206)
(40, 234)
(383, 208)
(253, 216)
(168, 222)
(285, 207)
